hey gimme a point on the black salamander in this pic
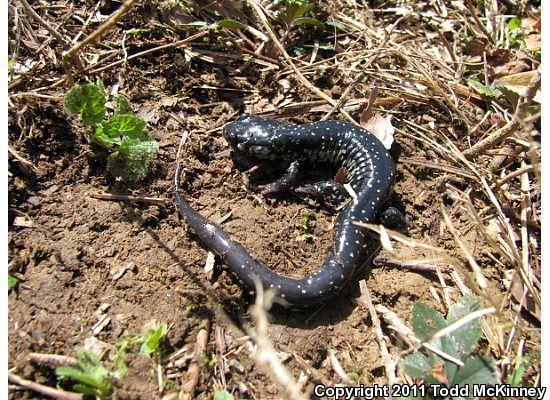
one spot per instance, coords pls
(370, 172)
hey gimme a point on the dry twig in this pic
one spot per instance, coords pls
(187, 390)
(140, 199)
(42, 389)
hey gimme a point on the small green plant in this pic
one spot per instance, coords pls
(12, 281)
(229, 24)
(520, 365)
(305, 220)
(123, 134)
(515, 35)
(223, 395)
(294, 14)
(492, 92)
(459, 343)
(149, 343)
(152, 338)
(93, 378)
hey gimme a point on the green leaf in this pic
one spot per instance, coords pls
(12, 281)
(223, 395)
(88, 100)
(514, 23)
(201, 25)
(85, 389)
(308, 21)
(152, 339)
(488, 91)
(426, 321)
(131, 160)
(78, 375)
(134, 31)
(448, 346)
(122, 105)
(230, 24)
(476, 371)
(293, 11)
(467, 335)
(113, 131)
(337, 25)
(516, 377)
(417, 365)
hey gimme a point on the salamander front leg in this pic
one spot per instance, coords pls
(392, 218)
(331, 191)
(285, 182)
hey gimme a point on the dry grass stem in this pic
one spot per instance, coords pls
(388, 360)
(511, 127)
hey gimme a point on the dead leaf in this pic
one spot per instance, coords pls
(168, 101)
(498, 57)
(527, 302)
(438, 373)
(381, 127)
(518, 83)
(367, 112)
(511, 67)
(532, 42)
(474, 47)
(209, 264)
(23, 222)
(116, 273)
(231, 9)
(340, 176)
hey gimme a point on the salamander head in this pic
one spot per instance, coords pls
(252, 136)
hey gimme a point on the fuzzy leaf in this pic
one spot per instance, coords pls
(122, 105)
(426, 321)
(417, 365)
(131, 160)
(447, 345)
(476, 370)
(88, 100)
(467, 335)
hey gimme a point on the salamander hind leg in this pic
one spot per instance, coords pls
(330, 191)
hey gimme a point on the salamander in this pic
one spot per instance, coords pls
(370, 173)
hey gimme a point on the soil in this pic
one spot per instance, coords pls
(69, 260)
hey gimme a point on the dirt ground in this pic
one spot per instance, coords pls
(69, 261)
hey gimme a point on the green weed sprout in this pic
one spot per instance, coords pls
(12, 281)
(459, 343)
(152, 338)
(123, 134)
(93, 378)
